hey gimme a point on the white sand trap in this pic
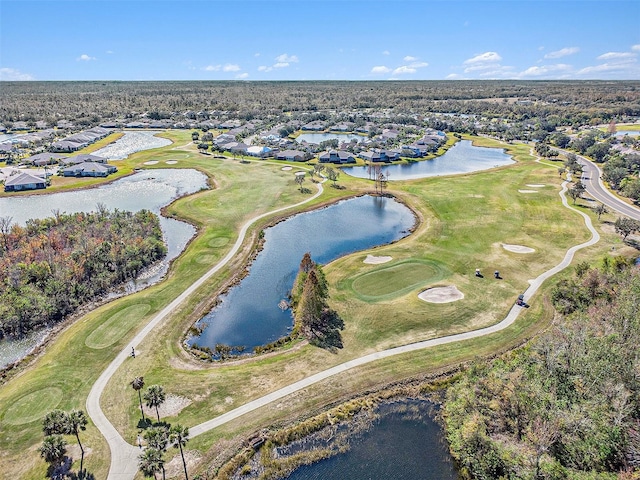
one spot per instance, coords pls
(171, 162)
(373, 260)
(441, 295)
(151, 162)
(517, 248)
(528, 191)
(171, 407)
(287, 168)
(536, 185)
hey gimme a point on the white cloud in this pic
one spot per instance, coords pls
(409, 58)
(284, 58)
(264, 68)
(242, 76)
(281, 65)
(616, 56)
(229, 67)
(380, 69)
(13, 75)
(635, 48)
(628, 67)
(404, 70)
(212, 68)
(485, 57)
(453, 76)
(563, 52)
(109, 52)
(419, 64)
(542, 70)
(256, 54)
(386, 52)
(85, 58)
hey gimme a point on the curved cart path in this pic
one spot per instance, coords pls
(124, 455)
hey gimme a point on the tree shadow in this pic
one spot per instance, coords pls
(143, 424)
(330, 337)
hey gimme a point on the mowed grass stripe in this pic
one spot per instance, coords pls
(116, 326)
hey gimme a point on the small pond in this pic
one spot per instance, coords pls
(132, 142)
(623, 133)
(402, 442)
(150, 189)
(249, 315)
(321, 137)
(463, 157)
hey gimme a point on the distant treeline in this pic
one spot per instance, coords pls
(85, 103)
(50, 267)
(566, 406)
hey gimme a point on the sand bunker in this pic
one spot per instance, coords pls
(536, 185)
(373, 260)
(517, 248)
(441, 295)
(151, 162)
(528, 191)
(287, 168)
(171, 162)
(171, 407)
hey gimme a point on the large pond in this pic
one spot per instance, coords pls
(249, 315)
(463, 157)
(321, 137)
(132, 142)
(403, 442)
(150, 189)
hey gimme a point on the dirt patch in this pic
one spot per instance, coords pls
(175, 468)
(151, 162)
(517, 248)
(373, 260)
(441, 295)
(171, 407)
(528, 191)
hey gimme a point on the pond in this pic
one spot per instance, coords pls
(150, 189)
(131, 142)
(631, 133)
(463, 157)
(402, 442)
(321, 137)
(249, 315)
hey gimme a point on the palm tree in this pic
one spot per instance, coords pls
(74, 422)
(54, 422)
(138, 384)
(151, 462)
(154, 397)
(53, 449)
(157, 437)
(179, 436)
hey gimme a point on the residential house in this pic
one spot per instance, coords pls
(24, 181)
(258, 151)
(292, 156)
(42, 159)
(89, 169)
(339, 156)
(77, 159)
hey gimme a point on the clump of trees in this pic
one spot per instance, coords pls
(50, 267)
(568, 404)
(313, 318)
(53, 450)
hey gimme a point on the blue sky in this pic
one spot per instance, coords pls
(319, 40)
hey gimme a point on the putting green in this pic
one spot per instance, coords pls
(206, 259)
(395, 280)
(116, 326)
(217, 242)
(33, 406)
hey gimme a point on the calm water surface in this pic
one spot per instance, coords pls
(321, 137)
(404, 443)
(249, 314)
(151, 190)
(132, 142)
(463, 157)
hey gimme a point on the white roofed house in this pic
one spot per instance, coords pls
(24, 181)
(336, 156)
(88, 169)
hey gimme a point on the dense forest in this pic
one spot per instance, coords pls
(568, 404)
(52, 266)
(87, 103)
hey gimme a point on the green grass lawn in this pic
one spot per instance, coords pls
(464, 221)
